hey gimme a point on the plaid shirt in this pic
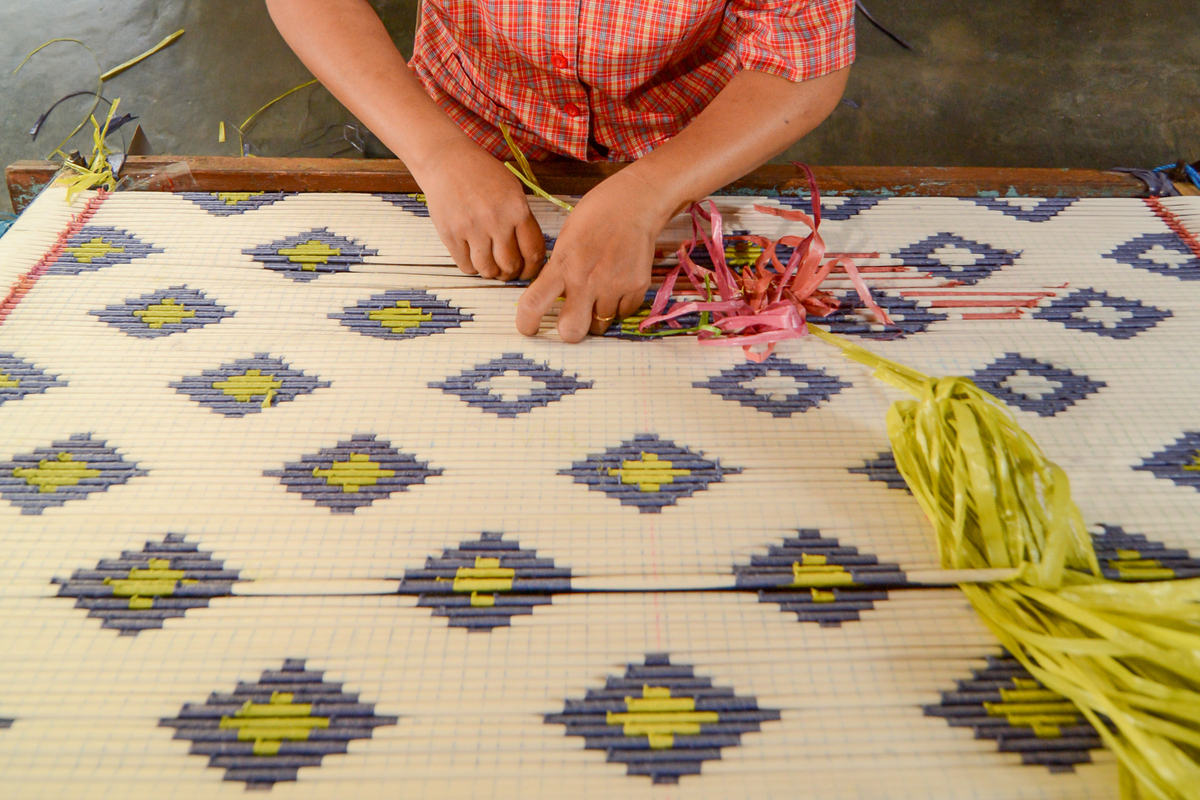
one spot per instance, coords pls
(595, 79)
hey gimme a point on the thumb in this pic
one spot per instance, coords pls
(537, 299)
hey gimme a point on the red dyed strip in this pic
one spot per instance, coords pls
(1010, 315)
(929, 293)
(1174, 224)
(982, 304)
(27, 281)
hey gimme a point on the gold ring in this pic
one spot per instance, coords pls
(604, 319)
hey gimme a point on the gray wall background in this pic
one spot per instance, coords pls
(1049, 83)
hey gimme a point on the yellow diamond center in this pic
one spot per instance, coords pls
(400, 318)
(486, 576)
(660, 717)
(96, 248)
(233, 198)
(49, 475)
(142, 585)
(272, 723)
(7, 382)
(1195, 465)
(360, 470)
(812, 571)
(309, 254)
(251, 383)
(742, 253)
(164, 312)
(648, 472)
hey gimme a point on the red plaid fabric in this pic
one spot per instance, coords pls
(623, 74)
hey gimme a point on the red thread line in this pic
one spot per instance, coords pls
(983, 303)
(27, 281)
(1172, 221)
(1009, 315)
(964, 293)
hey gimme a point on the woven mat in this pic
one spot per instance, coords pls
(289, 505)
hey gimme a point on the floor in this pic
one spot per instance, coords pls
(1024, 83)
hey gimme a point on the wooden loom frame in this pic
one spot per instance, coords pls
(232, 174)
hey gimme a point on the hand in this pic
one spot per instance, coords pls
(480, 212)
(601, 261)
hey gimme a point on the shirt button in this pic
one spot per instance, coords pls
(560, 61)
(572, 110)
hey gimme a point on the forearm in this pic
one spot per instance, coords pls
(347, 48)
(755, 117)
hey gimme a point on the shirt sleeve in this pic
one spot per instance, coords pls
(794, 39)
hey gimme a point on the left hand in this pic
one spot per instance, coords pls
(601, 261)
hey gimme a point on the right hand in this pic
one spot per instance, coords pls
(480, 212)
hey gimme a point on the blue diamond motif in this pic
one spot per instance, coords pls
(1123, 557)
(95, 247)
(1179, 462)
(69, 469)
(401, 314)
(307, 256)
(19, 377)
(776, 386)
(1163, 253)
(511, 385)
(248, 385)
(409, 201)
(136, 318)
(851, 317)
(227, 204)
(1027, 209)
(949, 256)
(1034, 385)
(648, 472)
(1103, 314)
(355, 473)
(883, 468)
(832, 208)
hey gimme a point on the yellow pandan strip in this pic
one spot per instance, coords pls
(1125, 656)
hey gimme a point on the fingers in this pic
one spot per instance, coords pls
(533, 247)
(537, 299)
(630, 304)
(603, 313)
(461, 253)
(507, 254)
(576, 318)
(482, 259)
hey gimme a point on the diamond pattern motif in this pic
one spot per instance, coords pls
(1004, 703)
(818, 579)
(19, 378)
(248, 385)
(355, 473)
(163, 313)
(1103, 314)
(1027, 209)
(139, 590)
(1034, 385)
(310, 255)
(883, 468)
(776, 386)
(411, 202)
(225, 204)
(648, 472)
(69, 469)
(402, 314)
(95, 247)
(511, 385)
(483, 584)
(1179, 462)
(1162, 253)
(264, 732)
(661, 719)
(851, 317)
(832, 208)
(949, 256)
(1132, 557)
